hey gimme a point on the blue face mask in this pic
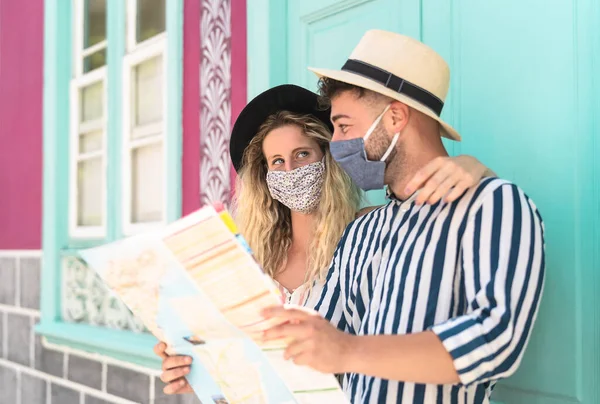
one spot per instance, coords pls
(352, 157)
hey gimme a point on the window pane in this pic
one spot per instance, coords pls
(90, 142)
(150, 19)
(89, 192)
(94, 61)
(95, 22)
(148, 92)
(147, 184)
(91, 102)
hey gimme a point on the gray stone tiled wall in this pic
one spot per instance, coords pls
(31, 373)
(33, 389)
(18, 338)
(29, 283)
(126, 383)
(85, 371)
(8, 383)
(7, 286)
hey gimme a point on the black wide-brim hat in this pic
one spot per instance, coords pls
(287, 97)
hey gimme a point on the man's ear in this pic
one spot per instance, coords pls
(399, 115)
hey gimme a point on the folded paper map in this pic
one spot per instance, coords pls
(196, 286)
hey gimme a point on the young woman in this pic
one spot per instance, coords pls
(293, 201)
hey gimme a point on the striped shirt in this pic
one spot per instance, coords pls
(472, 271)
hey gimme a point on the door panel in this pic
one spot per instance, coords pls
(324, 36)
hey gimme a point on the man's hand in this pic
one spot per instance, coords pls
(315, 342)
(175, 368)
(416, 358)
(450, 176)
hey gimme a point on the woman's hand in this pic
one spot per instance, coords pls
(446, 176)
(175, 368)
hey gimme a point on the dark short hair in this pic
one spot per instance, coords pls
(330, 88)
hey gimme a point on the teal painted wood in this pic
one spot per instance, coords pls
(128, 346)
(587, 16)
(121, 345)
(525, 95)
(266, 38)
(323, 33)
(57, 72)
(116, 40)
(445, 17)
(514, 120)
(174, 93)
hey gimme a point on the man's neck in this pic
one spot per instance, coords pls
(416, 157)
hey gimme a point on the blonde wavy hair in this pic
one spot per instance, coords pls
(266, 223)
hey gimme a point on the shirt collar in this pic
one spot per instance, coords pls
(406, 204)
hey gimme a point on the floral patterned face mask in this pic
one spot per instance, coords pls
(298, 189)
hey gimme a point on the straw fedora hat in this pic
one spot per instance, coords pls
(401, 68)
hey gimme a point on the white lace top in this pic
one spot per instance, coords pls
(304, 295)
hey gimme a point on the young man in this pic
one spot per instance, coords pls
(423, 304)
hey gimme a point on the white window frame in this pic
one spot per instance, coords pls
(146, 50)
(79, 52)
(132, 43)
(79, 81)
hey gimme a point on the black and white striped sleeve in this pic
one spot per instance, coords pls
(503, 267)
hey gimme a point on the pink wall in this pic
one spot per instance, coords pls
(239, 68)
(191, 107)
(21, 71)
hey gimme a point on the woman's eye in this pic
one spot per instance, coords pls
(343, 128)
(303, 154)
(277, 162)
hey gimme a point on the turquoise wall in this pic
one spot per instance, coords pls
(525, 97)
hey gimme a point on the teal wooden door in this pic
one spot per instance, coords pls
(525, 97)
